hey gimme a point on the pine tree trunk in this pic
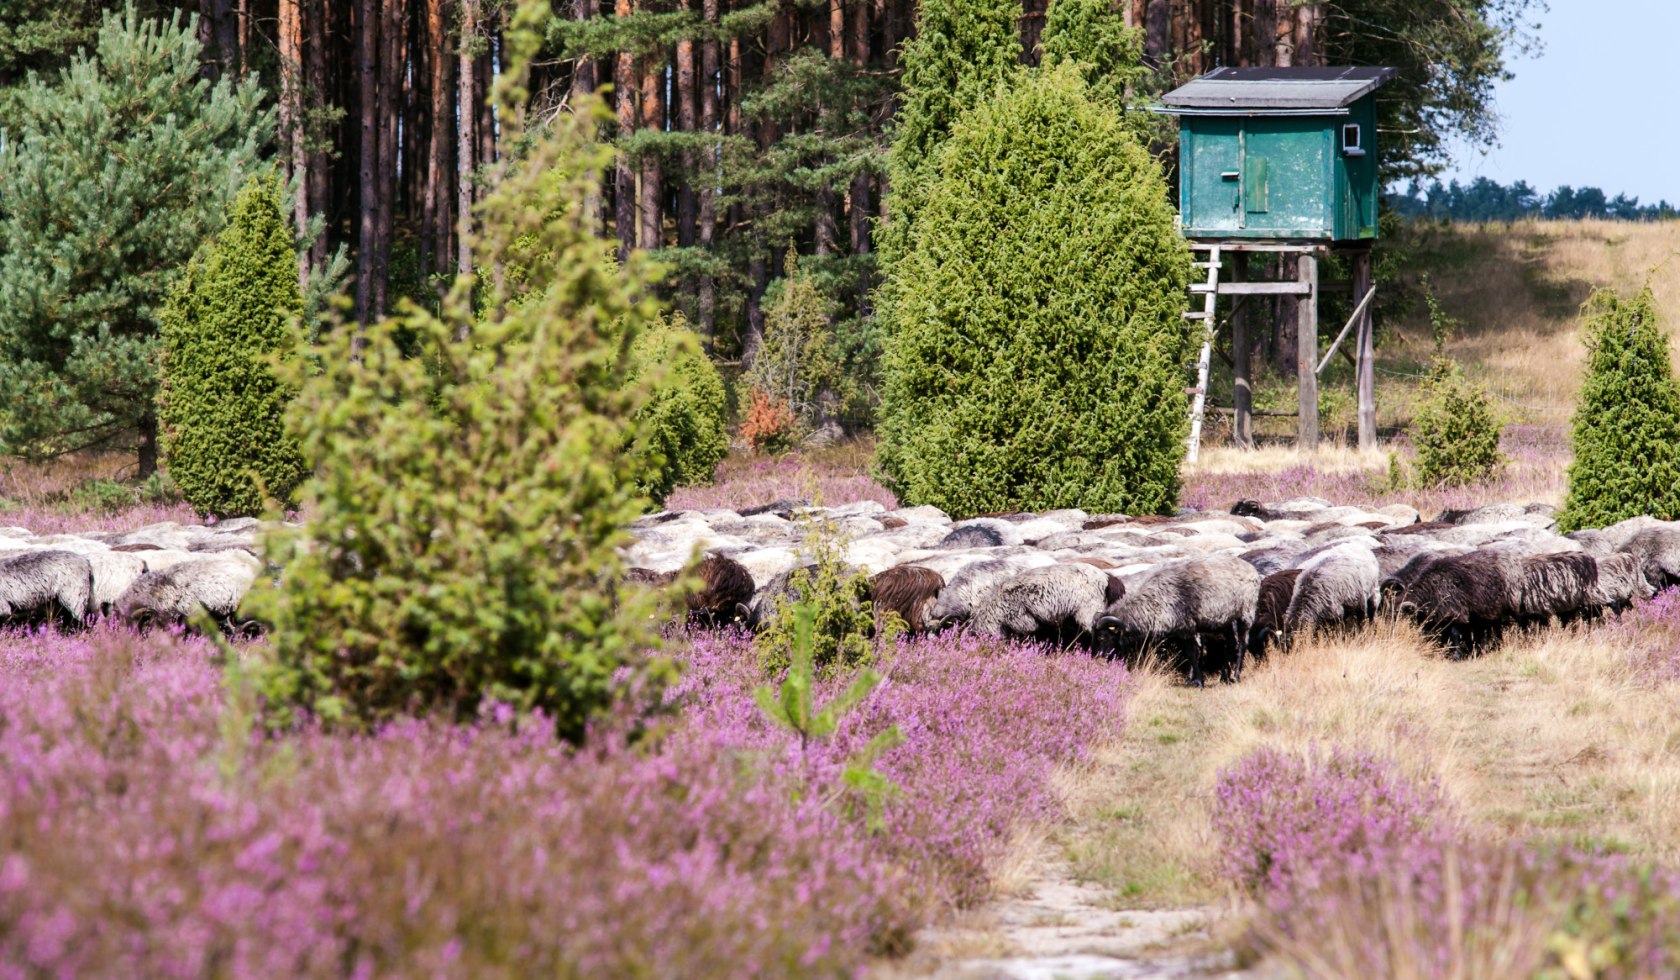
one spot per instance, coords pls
(707, 230)
(314, 82)
(391, 31)
(858, 198)
(290, 38)
(367, 72)
(687, 122)
(486, 129)
(1306, 35)
(828, 230)
(437, 217)
(1157, 29)
(148, 462)
(625, 96)
(465, 162)
(1283, 35)
(652, 233)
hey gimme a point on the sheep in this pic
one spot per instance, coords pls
(170, 596)
(1658, 551)
(33, 583)
(1056, 603)
(1619, 582)
(1558, 585)
(963, 590)
(113, 573)
(1336, 586)
(726, 590)
(1271, 610)
(1180, 600)
(1463, 600)
(908, 592)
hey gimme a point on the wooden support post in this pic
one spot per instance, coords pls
(1306, 353)
(1241, 360)
(1366, 371)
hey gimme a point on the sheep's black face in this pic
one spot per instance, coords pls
(1109, 638)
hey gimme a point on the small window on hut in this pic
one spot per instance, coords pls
(1350, 140)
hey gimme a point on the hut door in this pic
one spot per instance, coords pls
(1254, 173)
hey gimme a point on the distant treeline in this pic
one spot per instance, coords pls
(1488, 200)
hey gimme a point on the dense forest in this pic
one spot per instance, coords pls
(1488, 200)
(748, 126)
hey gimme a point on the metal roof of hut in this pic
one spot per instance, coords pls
(1274, 91)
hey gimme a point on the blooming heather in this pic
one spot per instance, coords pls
(1361, 870)
(147, 828)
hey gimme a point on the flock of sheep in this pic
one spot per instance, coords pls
(161, 574)
(1212, 587)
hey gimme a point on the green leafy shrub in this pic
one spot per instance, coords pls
(1037, 353)
(835, 600)
(681, 423)
(797, 363)
(220, 407)
(1456, 431)
(1627, 419)
(468, 502)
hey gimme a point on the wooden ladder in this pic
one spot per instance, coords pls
(1209, 291)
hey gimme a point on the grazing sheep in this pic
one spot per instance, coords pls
(169, 597)
(34, 585)
(726, 590)
(1180, 600)
(908, 592)
(1334, 587)
(1056, 603)
(1271, 610)
(964, 590)
(1462, 600)
(647, 576)
(1619, 582)
(113, 573)
(1558, 585)
(1658, 551)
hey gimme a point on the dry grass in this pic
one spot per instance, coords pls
(27, 484)
(1555, 737)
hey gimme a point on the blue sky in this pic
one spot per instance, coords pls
(1600, 105)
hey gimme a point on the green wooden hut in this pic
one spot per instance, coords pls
(1283, 154)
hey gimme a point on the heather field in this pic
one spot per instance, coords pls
(1360, 806)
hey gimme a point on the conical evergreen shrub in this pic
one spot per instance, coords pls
(1627, 419)
(1037, 354)
(221, 410)
(681, 423)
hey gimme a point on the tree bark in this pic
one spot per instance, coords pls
(440, 133)
(707, 219)
(1157, 29)
(625, 96)
(312, 87)
(828, 230)
(857, 199)
(148, 442)
(687, 122)
(367, 72)
(1284, 35)
(652, 234)
(466, 115)
(1306, 35)
(391, 36)
(290, 38)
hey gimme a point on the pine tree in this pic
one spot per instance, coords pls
(1038, 358)
(1627, 419)
(469, 501)
(962, 50)
(220, 407)
(797, 363)
(112, 177)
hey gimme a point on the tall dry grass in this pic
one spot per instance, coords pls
(1559, 736)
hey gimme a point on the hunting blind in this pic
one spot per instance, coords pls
(1284, 161)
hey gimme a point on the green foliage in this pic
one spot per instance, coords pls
(220, 407)
(1092, 36)
(962, 51)
(681, 423)
(797, 362)
(469, 502)
(834, 597)
(1456, 430)
(1038, 356)
(1627, 420)
(113, 174)
(793, 706)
